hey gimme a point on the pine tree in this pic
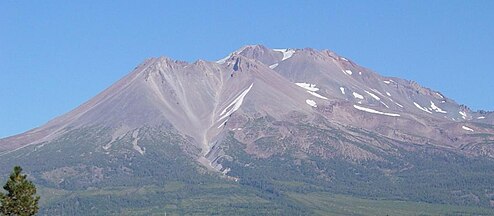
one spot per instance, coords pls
(21, 198)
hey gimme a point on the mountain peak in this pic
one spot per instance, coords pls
(272, 57)
(300, 108)
(191, 96)
(251, 48)
(260, 53)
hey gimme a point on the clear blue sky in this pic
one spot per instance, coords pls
(54, 55)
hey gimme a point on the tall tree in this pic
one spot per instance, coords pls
(21, 198)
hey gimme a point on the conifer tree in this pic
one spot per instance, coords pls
(21, 198)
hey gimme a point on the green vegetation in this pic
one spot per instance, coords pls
(426, 176)
(21, 198)
(235, 199)
(174, 198)
(77, 176)
(330, 204)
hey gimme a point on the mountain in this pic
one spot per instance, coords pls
(264, 124)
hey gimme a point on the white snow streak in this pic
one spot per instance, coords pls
(222, 124)
(308, 86)
(235, 103)
(311, 89)
(396, 103)
(376, 91)
(317, 95)
(463, 114)
(349, 72)
(287, 53)
(357, 95)
(436, 108)
(387, 81)
(342, 90)
(273, 66)
(467, 128)
(344, 59)
(374, 111)
(388, 94)
(311, 103)
(422, 108)
(481, 117)
(373, 95)
(384, 104)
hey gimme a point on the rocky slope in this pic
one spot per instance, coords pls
(256, 105)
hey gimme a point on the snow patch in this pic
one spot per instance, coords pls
(273, 66)
(287, 53)
(311, 89)
(436, 108)
(349, 72)
(222, 124)
(467, 128)
(311, 103)
(422, 108)
(308, 86)
(373, 95)
(463, 114)
(384, 104)
(235, 103)
(358, 96)
(360, 73)
(342, 90)
(375, 111)
(481, 117)
(344, 59)
(317, 95)
(388, 94)
(387, 81)
(396, 103)
(376, 91)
